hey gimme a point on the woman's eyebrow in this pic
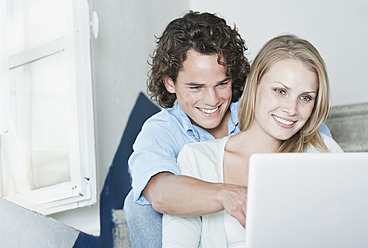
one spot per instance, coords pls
(288, 88)
(278, 82)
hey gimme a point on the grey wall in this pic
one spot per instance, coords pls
(24, 228)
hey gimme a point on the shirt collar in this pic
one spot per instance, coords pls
(181, 116)
(234, 121)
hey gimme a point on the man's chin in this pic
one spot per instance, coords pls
(211, 126)
(208, 124)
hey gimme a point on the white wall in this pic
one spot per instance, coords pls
(126, 40)
(338, 29)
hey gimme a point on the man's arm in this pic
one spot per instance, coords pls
(188, 196)
(153, 165)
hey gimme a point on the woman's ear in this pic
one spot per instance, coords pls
(169, 85)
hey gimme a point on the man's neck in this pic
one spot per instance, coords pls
(222, 129)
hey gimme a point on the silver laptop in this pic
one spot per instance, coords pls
(307, 200)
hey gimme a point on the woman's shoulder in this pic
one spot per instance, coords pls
(206, 146)
(208, 151)
(331, 144)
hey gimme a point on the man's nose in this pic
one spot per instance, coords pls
(211, 97)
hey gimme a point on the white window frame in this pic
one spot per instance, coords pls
(4, 83)
(80, 191)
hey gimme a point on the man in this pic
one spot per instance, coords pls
(198, 70)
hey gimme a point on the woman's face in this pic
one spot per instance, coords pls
(285, 98)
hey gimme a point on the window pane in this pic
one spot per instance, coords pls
(41, 31)
(50, 121)
(34, 22)
(40, 101)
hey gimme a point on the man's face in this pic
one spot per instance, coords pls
(202, 89)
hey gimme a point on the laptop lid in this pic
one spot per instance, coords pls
(307, 200)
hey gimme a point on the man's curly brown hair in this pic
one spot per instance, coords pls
(205, 33)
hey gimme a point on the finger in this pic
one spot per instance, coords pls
(238, 213)
(241, 219)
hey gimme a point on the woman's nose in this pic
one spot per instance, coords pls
(290, 106)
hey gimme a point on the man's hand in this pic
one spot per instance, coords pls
(234, 201)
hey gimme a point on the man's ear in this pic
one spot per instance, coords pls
(169, 85)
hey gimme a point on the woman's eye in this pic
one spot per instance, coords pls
(280, 91)
(306, 98)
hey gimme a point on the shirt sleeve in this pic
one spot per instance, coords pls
(325, 130)
(155, 150)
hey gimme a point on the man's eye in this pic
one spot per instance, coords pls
(223, 84)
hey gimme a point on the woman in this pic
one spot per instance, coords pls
(285, 100)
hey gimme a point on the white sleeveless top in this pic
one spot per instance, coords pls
(204, 160)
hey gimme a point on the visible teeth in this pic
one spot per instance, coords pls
(209, 111)
(283, 121)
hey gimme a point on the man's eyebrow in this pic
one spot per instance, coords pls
(224, 80)
(194, 84)
(200, 85)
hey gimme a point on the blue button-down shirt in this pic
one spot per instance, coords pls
(158, 144)
(161, 139)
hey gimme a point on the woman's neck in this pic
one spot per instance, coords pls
(255, 140)
(238, 150)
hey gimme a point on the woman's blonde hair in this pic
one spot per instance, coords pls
(289, 47)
